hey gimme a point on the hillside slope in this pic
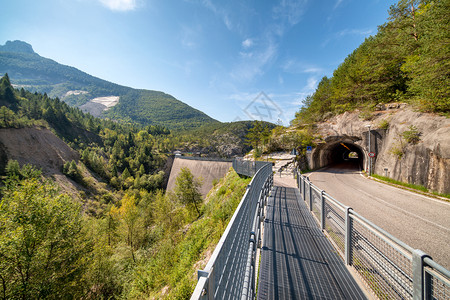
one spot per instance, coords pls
(29, 70)
(43, 149)
(36, 146)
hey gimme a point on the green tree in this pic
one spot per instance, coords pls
(429, 65)
(70, 169)
(41, 243)
(128, 214)
(187, 189)
(258, 135)
(7, 92)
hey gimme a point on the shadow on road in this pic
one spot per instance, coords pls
(349, 166)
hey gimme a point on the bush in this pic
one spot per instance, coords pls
(412, 136)
(397, 150)
(384, 124)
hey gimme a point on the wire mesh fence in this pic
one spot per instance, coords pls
(385, 268)
(316, 202)
(437, 282)
(335, 225)
(227, 274)
(392, 269)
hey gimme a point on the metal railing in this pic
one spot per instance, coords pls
(247, 167)
(391, 268)
(230, 272)
(219, 159)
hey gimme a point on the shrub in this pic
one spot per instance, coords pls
(412, 136)
(384, 124)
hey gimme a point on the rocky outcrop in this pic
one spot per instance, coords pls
(425, 161)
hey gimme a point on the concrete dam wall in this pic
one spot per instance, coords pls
(208, 170)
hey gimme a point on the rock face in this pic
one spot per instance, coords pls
(425, 162)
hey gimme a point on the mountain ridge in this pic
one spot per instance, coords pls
(17, 46)
(30, 71)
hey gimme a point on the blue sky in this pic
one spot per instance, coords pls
(229, 59)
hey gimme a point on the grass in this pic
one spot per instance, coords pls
(416, 187)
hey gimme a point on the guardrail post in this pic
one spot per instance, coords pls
(324, 213)
(304, 189)
(420, 288)
(310, 197)
(348, 236)
(208, 292)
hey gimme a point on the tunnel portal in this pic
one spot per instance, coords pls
(338, 150)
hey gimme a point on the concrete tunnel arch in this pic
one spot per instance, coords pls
(336, 150)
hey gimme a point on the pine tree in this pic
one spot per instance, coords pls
(187, 189)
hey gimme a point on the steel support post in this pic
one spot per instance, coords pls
(310, 197)
(304, 189)
(420, 281)
(208, 292)
(348, 236)
(324, 213)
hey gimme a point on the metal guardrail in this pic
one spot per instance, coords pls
(247, 167)
(230, 272)
(391, 268)
(219, 159)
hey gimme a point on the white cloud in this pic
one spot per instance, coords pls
(247, 43)
(290, 11)
(252, 64)
(363, 32)
(338, 2)
(308, 89)
(190, 36)
(120, 5)
(245, 97)
(311, 84)
(296, 67)
(222, 13)
(348, 32)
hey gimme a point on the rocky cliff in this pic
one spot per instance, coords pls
(409, 146)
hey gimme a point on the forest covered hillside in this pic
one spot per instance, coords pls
(408, 60)
(88, 194)
(35, 73)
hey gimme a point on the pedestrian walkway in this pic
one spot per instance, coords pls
(297, 260)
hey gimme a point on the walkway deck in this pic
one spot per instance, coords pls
(297, 260)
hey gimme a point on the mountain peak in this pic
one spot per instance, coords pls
(17, 46)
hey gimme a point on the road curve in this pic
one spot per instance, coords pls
(419, 221)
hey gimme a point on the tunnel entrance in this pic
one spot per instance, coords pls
(338, 151)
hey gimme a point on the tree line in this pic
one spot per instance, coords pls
(408, 60)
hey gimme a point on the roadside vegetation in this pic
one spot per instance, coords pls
(416, 187)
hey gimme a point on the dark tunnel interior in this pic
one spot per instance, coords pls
(339, 153)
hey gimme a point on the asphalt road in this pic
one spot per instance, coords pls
(419, 221)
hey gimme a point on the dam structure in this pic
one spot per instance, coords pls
(206, 168)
